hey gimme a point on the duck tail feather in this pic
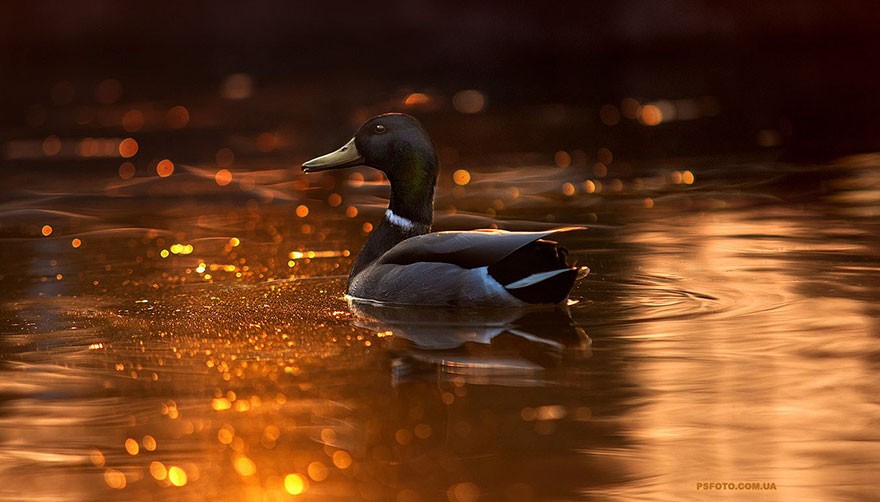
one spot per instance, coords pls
(534, 279)
(544, 287)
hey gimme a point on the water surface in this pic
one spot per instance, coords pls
(187, 337)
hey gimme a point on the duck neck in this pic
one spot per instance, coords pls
(412, 189)
(410, 209)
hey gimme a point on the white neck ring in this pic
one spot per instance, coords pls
(399, 221)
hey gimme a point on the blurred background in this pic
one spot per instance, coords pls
(732, 76)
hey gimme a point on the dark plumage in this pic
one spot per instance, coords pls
(403, 263)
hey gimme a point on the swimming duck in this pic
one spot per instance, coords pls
(403, 262)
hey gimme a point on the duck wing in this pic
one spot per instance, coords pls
(479, 268)
(470, 249)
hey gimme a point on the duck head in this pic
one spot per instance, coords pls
(397, 145)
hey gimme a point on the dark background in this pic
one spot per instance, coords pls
(808, 68)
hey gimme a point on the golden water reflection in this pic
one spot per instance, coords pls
(786, 401)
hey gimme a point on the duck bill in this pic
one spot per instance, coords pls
(347, 156)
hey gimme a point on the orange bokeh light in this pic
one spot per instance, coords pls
(562, 159)
(342, 459)
(115, 479)
(223, 177)
(650, 115)
(469, 101)
(164, 168)
(417, 98)
(126, 170)
(177, 117)
(51, 145)
(295, 484)
(461, 177)
(318, 471)
(356, 180)
(128, 148)
(177, 476)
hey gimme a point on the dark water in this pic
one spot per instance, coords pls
(185, 338)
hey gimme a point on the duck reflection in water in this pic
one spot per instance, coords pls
(509, 346)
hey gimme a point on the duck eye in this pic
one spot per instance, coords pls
(380, 129)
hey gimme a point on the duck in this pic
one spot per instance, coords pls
(404, 263)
